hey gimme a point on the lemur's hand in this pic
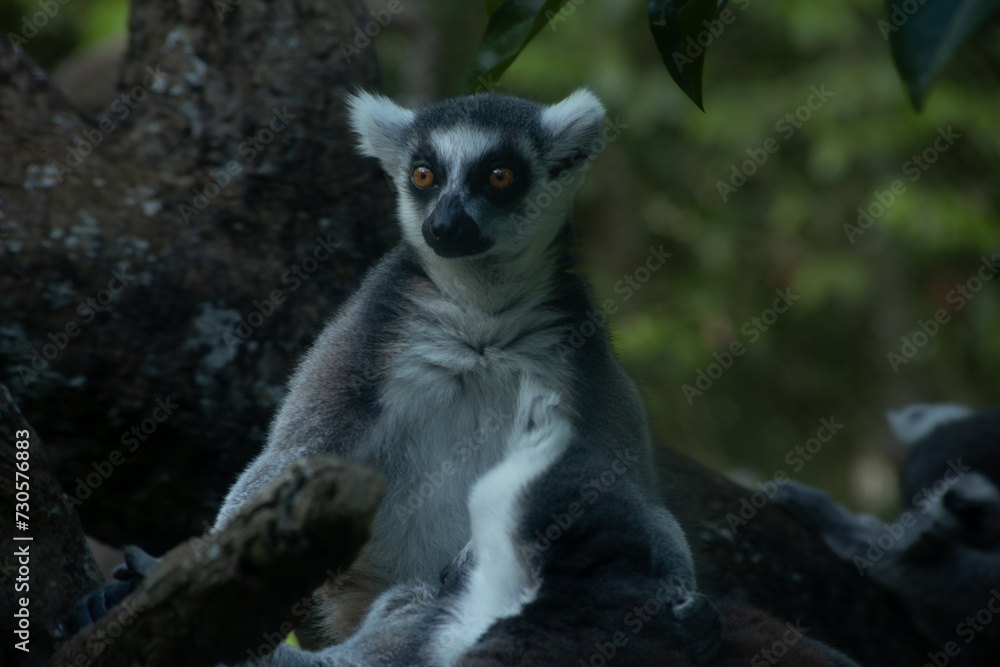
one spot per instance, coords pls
(127, 577)
(699, 627)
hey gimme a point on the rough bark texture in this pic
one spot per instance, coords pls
(59, 561)
(209, 601)
(83, 200)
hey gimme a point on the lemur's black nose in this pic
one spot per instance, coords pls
(447, 224)
(451, 232)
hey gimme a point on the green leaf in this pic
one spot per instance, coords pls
(491, 6)
(676, 25)
(513, 23)
(924, 40)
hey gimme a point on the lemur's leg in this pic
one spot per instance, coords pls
(390, 635)
(343, 602)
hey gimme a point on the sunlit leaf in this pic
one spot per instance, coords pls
(924, 36)
(513, 23)
(676, 26)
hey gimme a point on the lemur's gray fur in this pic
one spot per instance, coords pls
(555, 575)
(610, 553)
(418, 374)
(942, 555)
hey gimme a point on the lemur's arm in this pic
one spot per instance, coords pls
(333, 398)
(303, 428)
(338, 369)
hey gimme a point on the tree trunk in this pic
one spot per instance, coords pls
(163, 265)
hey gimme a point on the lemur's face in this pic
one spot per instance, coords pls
(483, 174)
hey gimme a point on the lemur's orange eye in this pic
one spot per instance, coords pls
(501, 178)
(423, 177)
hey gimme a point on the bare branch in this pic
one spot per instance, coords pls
(209, 601)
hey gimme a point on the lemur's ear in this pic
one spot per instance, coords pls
(575, 127)
(913, 423)
(382, 127)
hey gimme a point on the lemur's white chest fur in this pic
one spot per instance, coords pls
(447, 405)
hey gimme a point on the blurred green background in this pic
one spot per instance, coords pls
(657, 184)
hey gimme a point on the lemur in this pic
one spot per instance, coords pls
(941, 556)
(557, 576)
(418, 373)
(426, 374)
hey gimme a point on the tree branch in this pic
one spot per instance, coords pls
(209, 601)
(180, 248)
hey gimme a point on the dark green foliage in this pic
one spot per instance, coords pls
(676, 26)
(512, 24)
(926, 33)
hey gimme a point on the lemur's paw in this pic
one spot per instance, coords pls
(127, 577)
(699, 626)
(93, 606)
(539, 419)
(456, 572)
(536, 406)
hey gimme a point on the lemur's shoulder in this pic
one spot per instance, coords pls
(333, 394)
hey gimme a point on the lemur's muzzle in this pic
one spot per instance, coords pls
(451, 232)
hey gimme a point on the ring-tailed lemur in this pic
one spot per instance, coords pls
(418, 373)
(556, 576)
(941, 556)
